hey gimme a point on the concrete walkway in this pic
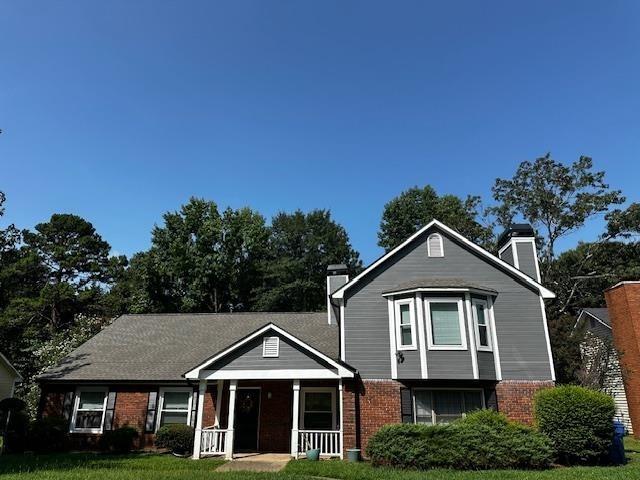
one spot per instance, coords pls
(256, 462)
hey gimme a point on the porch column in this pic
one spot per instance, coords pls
(341, 413)
(233, 385)
(202, 390)
(216, 422)
(296, 416)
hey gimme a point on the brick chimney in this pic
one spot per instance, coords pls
(623, 302)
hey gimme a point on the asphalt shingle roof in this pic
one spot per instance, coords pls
(156, 347)
(438, 283)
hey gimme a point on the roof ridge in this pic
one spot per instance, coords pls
(178, 314)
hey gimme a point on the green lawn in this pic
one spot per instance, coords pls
(81, 466)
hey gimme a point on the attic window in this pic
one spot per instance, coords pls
(271, 347)
(434, 245)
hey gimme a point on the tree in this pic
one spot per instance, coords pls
(414, 208)
(301, 246)
(556, 199)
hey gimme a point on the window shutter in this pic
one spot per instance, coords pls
(194, 407)
(271, 347)
(67, 405)
(152, 408)
(406, 405)
(108, 415)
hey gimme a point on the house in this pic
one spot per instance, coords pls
(434, 328)
(9, 378)
(600, 359)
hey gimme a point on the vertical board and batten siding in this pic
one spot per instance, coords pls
(518, 317)
(527, 258)
(7, 380)
(249, 357)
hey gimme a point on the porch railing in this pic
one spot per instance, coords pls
(328, 441)
(213, 441)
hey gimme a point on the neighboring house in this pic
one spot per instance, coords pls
(600, 359)
(431, 330)
(9, 378)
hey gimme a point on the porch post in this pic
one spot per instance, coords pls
(233, 385)
(341, 413)
(202, 389)
(216, 423)
(296, 416)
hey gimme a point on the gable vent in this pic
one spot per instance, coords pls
(434, 245)
(271, 347)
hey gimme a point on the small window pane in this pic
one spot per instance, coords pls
(91, 401)
(445, 323)
(173, 417)
(423, 407)
(472, 401)
(318, 401)
(88, 419)
(176, 401)
(480, 314)
(318, 421)
(405, 335)
(484, 336)
(405, 314)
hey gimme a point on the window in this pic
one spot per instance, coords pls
(175, 406)
(88, 410)
(445, 406)
(318, 409)
(271, 347)
(481, 320)
(434, 245)
(405, 325)
(445, 324)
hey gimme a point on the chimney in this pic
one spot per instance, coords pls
(623, 302)
(336, 277)
(517, 247)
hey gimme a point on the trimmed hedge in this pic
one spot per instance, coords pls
(119, 440)
(49, 435)
(176, 437)
(579, 422)
(483, 440)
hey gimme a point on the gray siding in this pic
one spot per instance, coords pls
(527, 258)
(410, 367)
(249, 357)
(519, 323)
(486, 366)
(507, 255)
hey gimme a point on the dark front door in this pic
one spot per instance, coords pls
(247, 418)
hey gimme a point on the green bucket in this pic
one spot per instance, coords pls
(353, 454)
(313, 454)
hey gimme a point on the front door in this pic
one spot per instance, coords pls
(247, 418)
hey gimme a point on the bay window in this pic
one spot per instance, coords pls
(405, 324)
(482, 328)
(445, 324)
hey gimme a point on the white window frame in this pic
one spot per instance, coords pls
(303, 407)
(161, 403)
(487, 324)
(76, 404)
(264, 347)
(431, 390)
(412, 323)
(463, 336)
(439, 237)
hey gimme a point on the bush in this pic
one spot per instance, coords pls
(119, 440)
(14, 425)
(49, 435)
(177, 438)
(579, 422)
(483, 440)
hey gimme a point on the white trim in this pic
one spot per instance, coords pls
(219, 390)
(284, 374)
(582, 312)
(546, 336)
(546, 293)
(496, 351)
(328, 302)
(343, 350)
(303, 407)
(422, 342)
(429, 245)
(478, 291)
(392, 339)
(295, 427)
(195, 372)
(202, 390)
(76, 404)
(513, 243)
(463, 337)
(487, 324)
(11, 367)
(265, 353)
(398, 324)
(472, 340)
(341, 413)
(161, 409)
(231, 418)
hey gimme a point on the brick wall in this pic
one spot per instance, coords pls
(623, 302)
(515, 398)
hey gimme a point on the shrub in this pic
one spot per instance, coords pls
(177, 438)
(119, 440)
(49, 435)
(483, 440)
(14, 426)
(579, 422)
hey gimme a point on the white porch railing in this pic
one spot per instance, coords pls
(328, 441)
(213, 441)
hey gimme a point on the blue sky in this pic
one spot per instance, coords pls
(119, 111)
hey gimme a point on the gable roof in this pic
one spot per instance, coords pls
(600, 314)
(499, 263)
(11, 368)
(162, 347)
